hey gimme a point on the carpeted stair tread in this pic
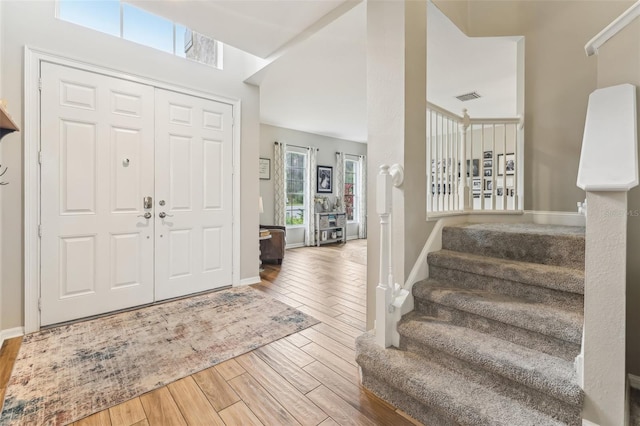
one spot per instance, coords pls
(545, 244)
(537, 317)
(549, 276)
(545, 373)
(464, 401)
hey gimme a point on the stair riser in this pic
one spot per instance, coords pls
(570, 413)
(559, 250)
(461, 279)
(421, 412)
(547, 276)
(520, 336)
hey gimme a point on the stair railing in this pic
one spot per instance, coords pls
(473, 164)
(608, 170)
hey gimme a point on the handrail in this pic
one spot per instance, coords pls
(443, 111)
(591, 48)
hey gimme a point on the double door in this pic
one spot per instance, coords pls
(136, 194)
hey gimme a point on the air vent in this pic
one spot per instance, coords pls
(468, 96)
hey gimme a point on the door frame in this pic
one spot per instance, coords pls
(31, 251)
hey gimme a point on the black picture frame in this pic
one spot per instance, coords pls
(324, 183)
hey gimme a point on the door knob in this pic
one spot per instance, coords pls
(162, 215)
(147, 215)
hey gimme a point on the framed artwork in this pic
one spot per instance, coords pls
(325, 180)
(487, 154)
(264, 169)
(510, 166)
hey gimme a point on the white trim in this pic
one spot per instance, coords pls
(32, 60)
(10, 333)
(352, 237)
(591, 48)
(586, 422)
(248, 281)
(555, 218)
(294, 246)
(634, 381)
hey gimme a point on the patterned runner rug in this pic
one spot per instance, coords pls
(69, 372)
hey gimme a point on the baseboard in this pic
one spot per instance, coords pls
(352, 237)
(586, 422)
(10, 333)
(634, 381)
(249, 281)
(292, 246)
(555, 218)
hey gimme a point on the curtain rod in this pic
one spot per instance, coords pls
(353, 155)
(298, 146)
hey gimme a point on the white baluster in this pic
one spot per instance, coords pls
(463, 190)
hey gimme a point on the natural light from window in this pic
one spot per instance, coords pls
(131, 23)
(295, 172)
(351, 169)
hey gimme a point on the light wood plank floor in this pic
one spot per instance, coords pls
(309, 378)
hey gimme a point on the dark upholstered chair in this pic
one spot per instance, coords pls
(273, 248)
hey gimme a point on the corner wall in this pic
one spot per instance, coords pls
(618, 62)
(326, 157)
(33, 23)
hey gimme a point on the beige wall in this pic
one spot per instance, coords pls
(33, 23)
(326, 157)
(619, 62)
(558, 80)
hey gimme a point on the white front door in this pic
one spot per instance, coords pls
(194, 177)
(97, 166)
(107, 144)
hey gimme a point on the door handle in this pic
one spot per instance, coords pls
(162, 215)
(147, 215)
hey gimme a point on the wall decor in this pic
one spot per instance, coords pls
(510, 166)
(325, 180)
(264, 169)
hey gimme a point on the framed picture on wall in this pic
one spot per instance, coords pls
(264, 169)
(325, 180)
(510, 166)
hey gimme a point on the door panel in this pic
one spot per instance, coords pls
(98, 164)
(194, 178)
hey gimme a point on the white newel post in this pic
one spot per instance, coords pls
(384, 290)
(463, 189)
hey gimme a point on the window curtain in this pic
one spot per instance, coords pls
(339, 182)
(362, 192)
(309, 200)
(280, 197)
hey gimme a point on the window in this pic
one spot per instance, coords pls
(131, 23)
(351, 177)
(295, 172)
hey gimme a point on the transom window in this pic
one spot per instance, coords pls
(351, 177)
(131, 23)
(295, 172)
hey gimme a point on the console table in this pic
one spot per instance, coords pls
(331, 227)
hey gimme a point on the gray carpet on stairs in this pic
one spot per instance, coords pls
(494, 333)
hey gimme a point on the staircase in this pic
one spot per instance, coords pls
(494, 332)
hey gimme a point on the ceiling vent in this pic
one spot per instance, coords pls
(468, 96)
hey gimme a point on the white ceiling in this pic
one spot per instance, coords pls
(316, 81)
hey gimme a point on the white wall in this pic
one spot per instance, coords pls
(326, 157)
(33, 23)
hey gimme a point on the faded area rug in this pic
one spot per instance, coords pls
(69, 372)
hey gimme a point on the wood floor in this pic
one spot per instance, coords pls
(309, 378)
